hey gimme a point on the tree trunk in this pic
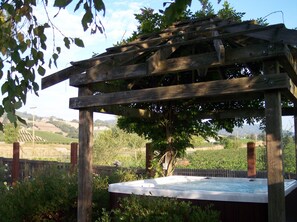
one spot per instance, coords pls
(170, 155)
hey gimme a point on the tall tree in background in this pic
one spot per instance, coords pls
(23, 42)
(177, 121)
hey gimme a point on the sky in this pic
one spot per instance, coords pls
(119, 23)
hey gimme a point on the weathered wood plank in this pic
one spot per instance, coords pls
(127, 111)
(240, 113)
(219, 46)
(289, 63)
(218, 114)
(295, 134)
(180, 43)
(162, 54)
(279, 34)
(193, 62)
(59, 76)
(292, 93)
(84, 208)
(275, 171)
(223, 88)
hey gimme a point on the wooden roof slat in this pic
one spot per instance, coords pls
(281, 34)
(192, 62)
(60, 76)
(240, 113)
(215, 114)
(223, 88)
(292, 94)
(289, 63)
(183, 43)
(126, 111)
(162, 54)
(167, 35)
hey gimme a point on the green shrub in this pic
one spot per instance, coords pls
(147, 208)
(52, 196)
(123, 175)
(49, 196)
(100, 195)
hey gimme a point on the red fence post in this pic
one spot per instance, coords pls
(73, 156)
(15, 162)
(251, 159)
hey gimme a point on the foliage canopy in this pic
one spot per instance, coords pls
(179, 120)
(23, 42)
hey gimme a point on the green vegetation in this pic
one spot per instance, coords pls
(117, 145)
(71, 131)
(172, 124)
(52, 196)
(147, 209)
(50, 137)
(10, 133)
(231, 159)
(23, 40)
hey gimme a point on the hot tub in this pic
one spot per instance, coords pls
(238, 199)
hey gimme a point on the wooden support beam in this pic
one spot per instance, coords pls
(206, 60)
(126, 111)
(218, 88)
(59, 76)
(277, 33)
(240, 113)
(295, 135)
(217, 114)
(219, 46)
(162, 54)
(276, 193)
(289, 63)
(84, 208)
(292, 93)
(104, 56)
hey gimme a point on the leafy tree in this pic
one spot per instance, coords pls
(23, 42)
(11, 133)
(179, 120)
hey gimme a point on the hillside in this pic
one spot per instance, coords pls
(58, 125)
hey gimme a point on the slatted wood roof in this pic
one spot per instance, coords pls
(211, 60)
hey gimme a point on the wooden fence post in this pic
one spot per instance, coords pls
(16, 162)
(251, 159)
(73, 156)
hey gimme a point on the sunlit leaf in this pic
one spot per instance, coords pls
(20, 37)
(79, 42)
(21, 120)
(99, 5)
(4, 88)
(18, 105)
(58, 49)
(87, 18)
(67, 42)
(55, 57)
(41, 70)
(62, 3)
(12, 118)
(78, 5)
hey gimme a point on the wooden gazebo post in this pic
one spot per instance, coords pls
(84, 208)
(295, 136)
(276, 193)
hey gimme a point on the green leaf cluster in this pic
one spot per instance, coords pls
(148, 208)
(23, 42)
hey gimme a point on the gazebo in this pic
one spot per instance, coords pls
(191, 60)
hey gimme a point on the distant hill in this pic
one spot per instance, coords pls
(243, 131)
(58, 125)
